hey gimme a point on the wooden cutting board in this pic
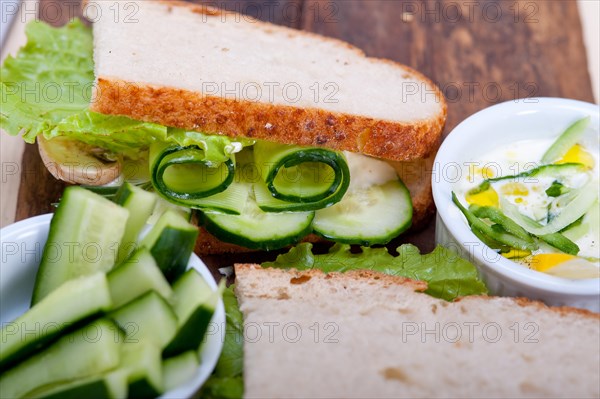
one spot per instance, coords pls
(479, 53)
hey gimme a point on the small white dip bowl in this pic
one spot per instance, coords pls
(492, 127)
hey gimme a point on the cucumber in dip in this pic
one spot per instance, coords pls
(536, 202)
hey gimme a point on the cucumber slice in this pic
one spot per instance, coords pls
(582, 199)
(91, 350)
(256, 229)
(143, 365)
(138, 275)
(230, 201)
(590, 224)
(72, 302)
(171, 242)
(372, 215)
(112, 385)
(140, 204)
(85, 234)
(194, 304)
(566, 140)
(149, 318)
(179, 369)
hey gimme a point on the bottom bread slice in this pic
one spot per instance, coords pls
(369, 335)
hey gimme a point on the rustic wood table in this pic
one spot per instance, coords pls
(479, 53)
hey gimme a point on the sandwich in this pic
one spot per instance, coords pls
(378, 335)
(274, 135)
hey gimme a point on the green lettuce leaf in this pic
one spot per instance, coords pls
(448, 276)
(46, 89)
(227, 379)
(48, 80)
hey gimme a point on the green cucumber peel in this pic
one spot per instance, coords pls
(566, 140)
(483, 228)
(582, 200)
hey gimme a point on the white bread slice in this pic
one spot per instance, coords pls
(205, 69)
(366, 335)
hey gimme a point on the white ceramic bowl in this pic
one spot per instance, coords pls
(492, 127)
(21, 246)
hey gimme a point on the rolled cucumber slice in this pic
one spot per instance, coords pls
(194, 304)
(367, 216)
(313, 177)
(171, 242)
(136, 276)
(257, 229)
(72, 302)
(91, 350)
(85, 235)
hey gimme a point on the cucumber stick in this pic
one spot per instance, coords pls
(136, 276)
(93, 349)
(143, 365)
(194, 304)
(179, 369)
(72, 302)
(85, 234)
(140, 204)
(112, 385)
(171, 242)
(148, 318)
(162, 205)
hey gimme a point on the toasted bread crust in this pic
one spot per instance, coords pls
(281, 123)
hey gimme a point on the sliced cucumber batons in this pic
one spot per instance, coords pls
(85, 235)
(142, 363)
(171, 242)
(140, 204)
(93, 349)
(256, 229)
(74, 301)
(148, 318)
(367, 216)
(179, 369)
(136, 276)
(111, 385)
(194, 304)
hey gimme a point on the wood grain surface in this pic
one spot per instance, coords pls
(479, 53)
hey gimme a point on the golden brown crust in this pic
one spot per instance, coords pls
(382, 278)
(281, 123)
